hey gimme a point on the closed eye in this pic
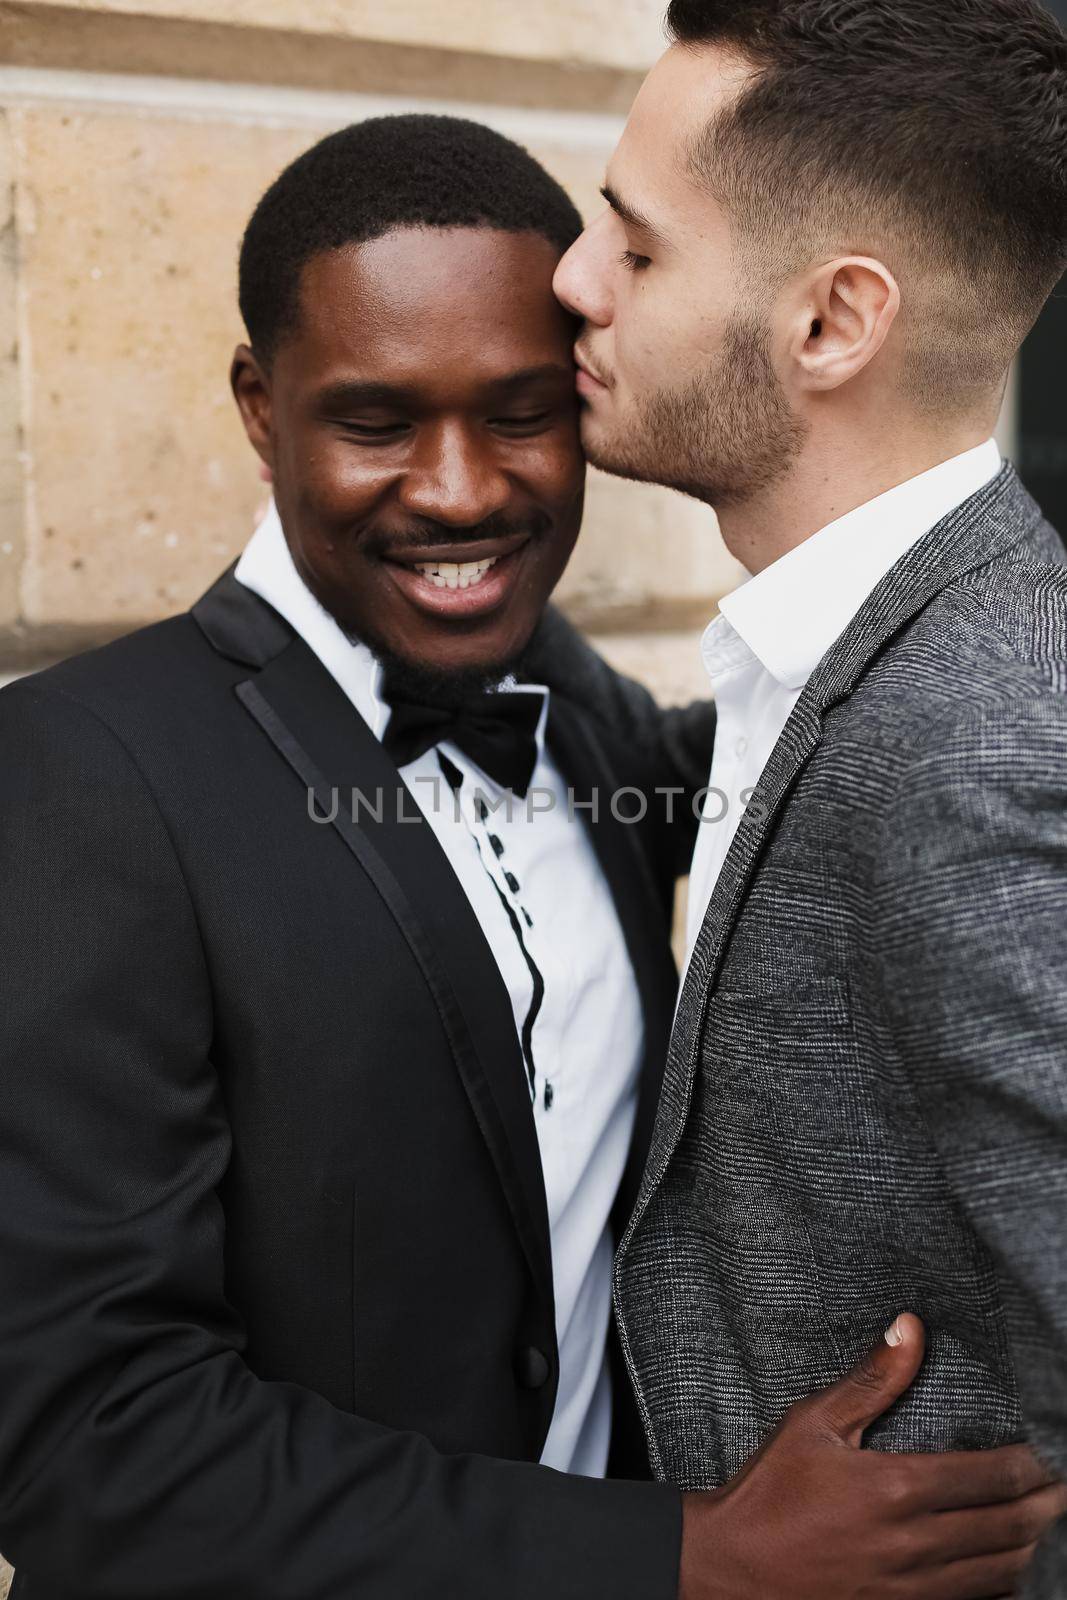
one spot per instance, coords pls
(374, 431)
(634, 263)
(524, 424)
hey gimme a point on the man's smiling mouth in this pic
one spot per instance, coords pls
(434, 580)
(455, 575)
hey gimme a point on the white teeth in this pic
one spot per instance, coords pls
(455, 575)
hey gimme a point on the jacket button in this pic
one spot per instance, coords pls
(532, 1369)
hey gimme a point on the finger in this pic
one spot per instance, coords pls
(984, 1578)
(966, 1478)
(849, 1406)
(992, 1530)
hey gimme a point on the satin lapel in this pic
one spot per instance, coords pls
(238, 624)
(1000, 516)
(586, 766)
(331, 750)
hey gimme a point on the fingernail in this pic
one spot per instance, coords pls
(895, 1334)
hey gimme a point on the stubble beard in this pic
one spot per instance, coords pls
(723, 437)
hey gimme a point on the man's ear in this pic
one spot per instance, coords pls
(846, 310)
(251, 390)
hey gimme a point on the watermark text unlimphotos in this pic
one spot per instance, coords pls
(629, 806)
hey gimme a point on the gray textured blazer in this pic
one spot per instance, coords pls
(865, 1105)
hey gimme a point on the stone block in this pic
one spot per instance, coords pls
(144, 484)
(70, 37)
(621, 33)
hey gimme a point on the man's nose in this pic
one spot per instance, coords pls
(583, 281)
(454, 478)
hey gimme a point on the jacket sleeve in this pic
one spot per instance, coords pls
(971, 947)
(139, 1454)
(673, 744)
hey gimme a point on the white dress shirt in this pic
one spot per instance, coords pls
(588, 1036)
(774, 630)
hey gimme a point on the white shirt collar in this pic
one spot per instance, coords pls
(791, 613)
(267, 568)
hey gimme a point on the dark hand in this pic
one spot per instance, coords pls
(812, 1516)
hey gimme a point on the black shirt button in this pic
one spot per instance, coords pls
(532, 1369)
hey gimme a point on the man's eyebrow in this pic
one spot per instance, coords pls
(338, 396)
(548, 372)
(352, 395)
(631, 215)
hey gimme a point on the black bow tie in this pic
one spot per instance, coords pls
(497, 731)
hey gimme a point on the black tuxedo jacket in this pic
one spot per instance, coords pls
(276, 1306)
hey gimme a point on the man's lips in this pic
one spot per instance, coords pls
(456, 551)
(439, 592)
(587, 382)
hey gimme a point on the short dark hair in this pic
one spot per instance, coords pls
(411, 171)
(940, 125)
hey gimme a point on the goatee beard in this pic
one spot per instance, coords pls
(424, 683)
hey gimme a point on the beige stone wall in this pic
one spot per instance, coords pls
(135, 137)
(623, 34)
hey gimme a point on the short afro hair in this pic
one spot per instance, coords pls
(411, 171)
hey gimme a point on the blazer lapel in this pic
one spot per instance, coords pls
(333, 753)
(1000, 515)
(584, 763)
